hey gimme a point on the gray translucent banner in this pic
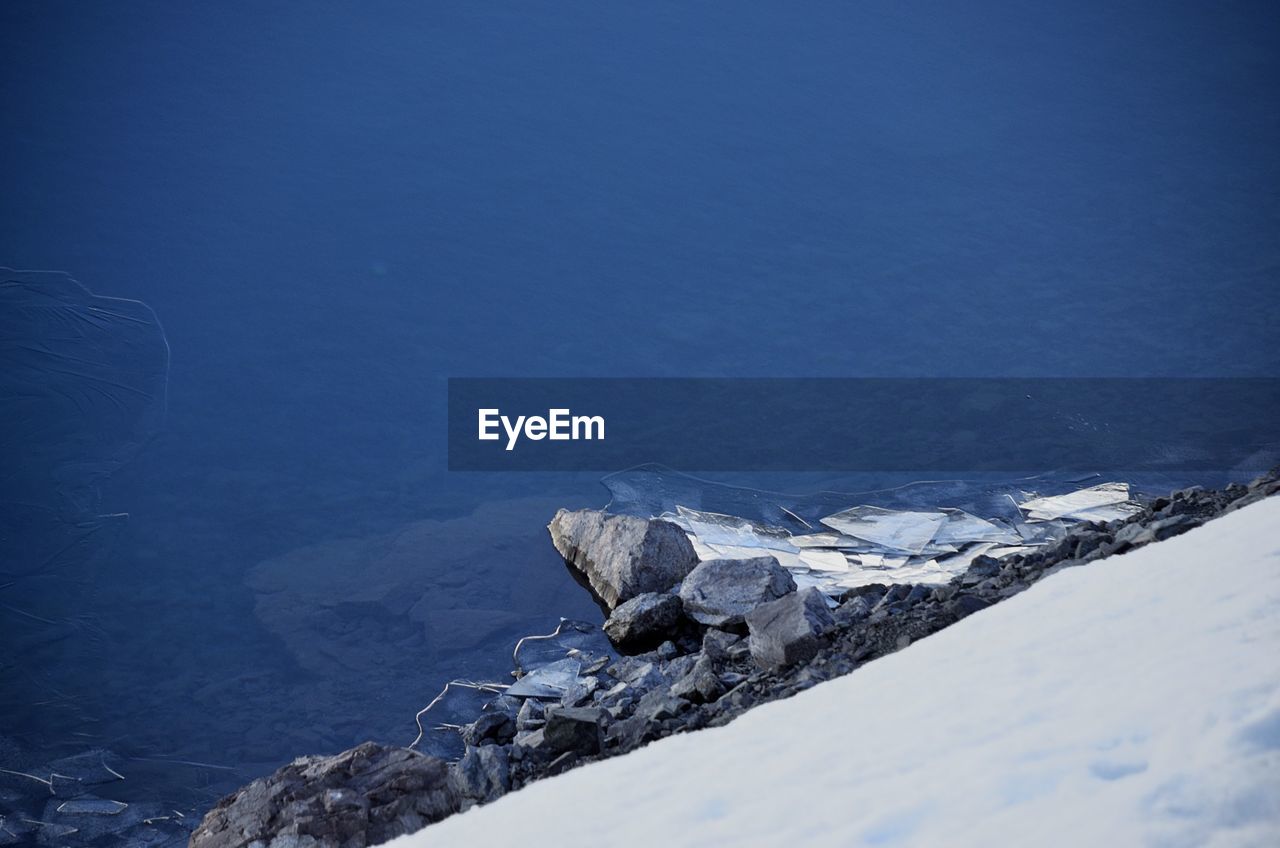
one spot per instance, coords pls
(863, 424)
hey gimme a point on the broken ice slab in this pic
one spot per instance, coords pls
(579, 639)
(715, 529)
(48, 833)
(839, 541)
(879, 560)
(92, 807)
(961, 528)
(792, 560)
(1106, 502)
(89, 768)
(459, 702)
(898, 530)
(550, 681)
(716, 536)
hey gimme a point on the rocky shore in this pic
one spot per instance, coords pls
(698, 643)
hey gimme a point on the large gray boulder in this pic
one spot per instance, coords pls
(720, 592)
(622, 556)
(789, 630)
(364, 796)
(644, 621)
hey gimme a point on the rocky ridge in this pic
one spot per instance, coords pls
(698, 675)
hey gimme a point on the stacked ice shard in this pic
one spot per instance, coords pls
(869, 544)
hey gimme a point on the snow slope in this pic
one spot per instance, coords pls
(1134, 701)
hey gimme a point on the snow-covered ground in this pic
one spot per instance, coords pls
(1134, 701)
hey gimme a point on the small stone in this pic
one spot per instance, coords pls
(918, 593)
(483, 773)
(660, 705)
(980, 569)
(561, 764)
(716, 645)
(896, 594)
(668, 651)
(532, 715)
(700, 685)
(966, 604)
(489, 729)
(580, 692)
(577, 729)
(1128, 534)
(852, 611)
(529, 742)
(644, 677)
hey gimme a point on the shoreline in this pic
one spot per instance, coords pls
(373, 793)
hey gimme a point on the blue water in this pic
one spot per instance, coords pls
(333, 207)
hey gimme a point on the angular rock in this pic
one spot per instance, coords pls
(660, 705)
(483, 774)
(720, 592)
(644, 677)
(644, 621)
(853, 610)
(529, 743)
(789, 630)
(531, 715)
(631, 733)
(716, 645)
(622, 556)
(580, 692)
(489, 729)
(701, 685)
(576, 729)
(965, 605)
(367, 795)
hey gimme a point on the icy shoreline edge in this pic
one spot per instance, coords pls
(373, 793)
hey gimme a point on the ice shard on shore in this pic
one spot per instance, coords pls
(872, 544)
(1107, 502)
(888, 529)
(821, 543)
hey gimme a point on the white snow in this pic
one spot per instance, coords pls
(1133, 701)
